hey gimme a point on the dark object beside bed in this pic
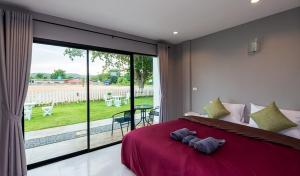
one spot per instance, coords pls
(150, 151)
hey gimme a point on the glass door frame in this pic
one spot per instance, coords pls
(88, 48)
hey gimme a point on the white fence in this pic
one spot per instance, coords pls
(43, 94)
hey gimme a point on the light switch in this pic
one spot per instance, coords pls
(195, 88)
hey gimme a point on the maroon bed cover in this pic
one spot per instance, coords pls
(151, 152)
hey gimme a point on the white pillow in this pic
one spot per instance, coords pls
(192, 114)
(294, 116)
(236, 112)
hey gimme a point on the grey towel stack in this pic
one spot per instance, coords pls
(187, 139)
(178, 135)
(193, 141)
(208, 145)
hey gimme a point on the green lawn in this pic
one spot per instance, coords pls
(73, 113)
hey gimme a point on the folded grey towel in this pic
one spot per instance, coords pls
(208, 145)
(178, 135)
(187, 139)
(193, 141)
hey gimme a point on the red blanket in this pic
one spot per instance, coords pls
(150, 151)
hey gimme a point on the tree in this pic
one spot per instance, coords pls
(142, 64)
(39, 76)
(143, 69)
(58, 74)
(114, 74)
(123, 81)
(103, 76)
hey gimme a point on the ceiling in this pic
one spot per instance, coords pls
(157, 19)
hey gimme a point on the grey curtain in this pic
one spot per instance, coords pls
(163, 56)
(15, 59)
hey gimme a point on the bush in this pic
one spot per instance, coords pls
(122, 81)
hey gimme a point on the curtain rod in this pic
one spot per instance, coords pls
(86, 30)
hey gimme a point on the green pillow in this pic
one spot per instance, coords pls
(216, 109)
(270, 118)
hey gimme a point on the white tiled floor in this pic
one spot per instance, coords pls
(105, 162)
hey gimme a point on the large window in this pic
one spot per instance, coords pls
(80, 99)
(55, 110)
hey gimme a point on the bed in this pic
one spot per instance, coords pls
(150, 151)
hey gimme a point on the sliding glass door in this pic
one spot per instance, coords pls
(55, 109)
(146, 90)
(81, 99)
(109, 82)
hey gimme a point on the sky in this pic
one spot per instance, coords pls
(47, 58)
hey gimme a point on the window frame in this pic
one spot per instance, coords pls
(87, 48)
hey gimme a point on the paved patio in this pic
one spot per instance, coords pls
(48, 143)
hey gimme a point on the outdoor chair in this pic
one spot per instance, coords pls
(108, 100)
(127, 98)
(123, 118)
(27, 112)
(117, 102)
(153, 112)
(47, 110)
